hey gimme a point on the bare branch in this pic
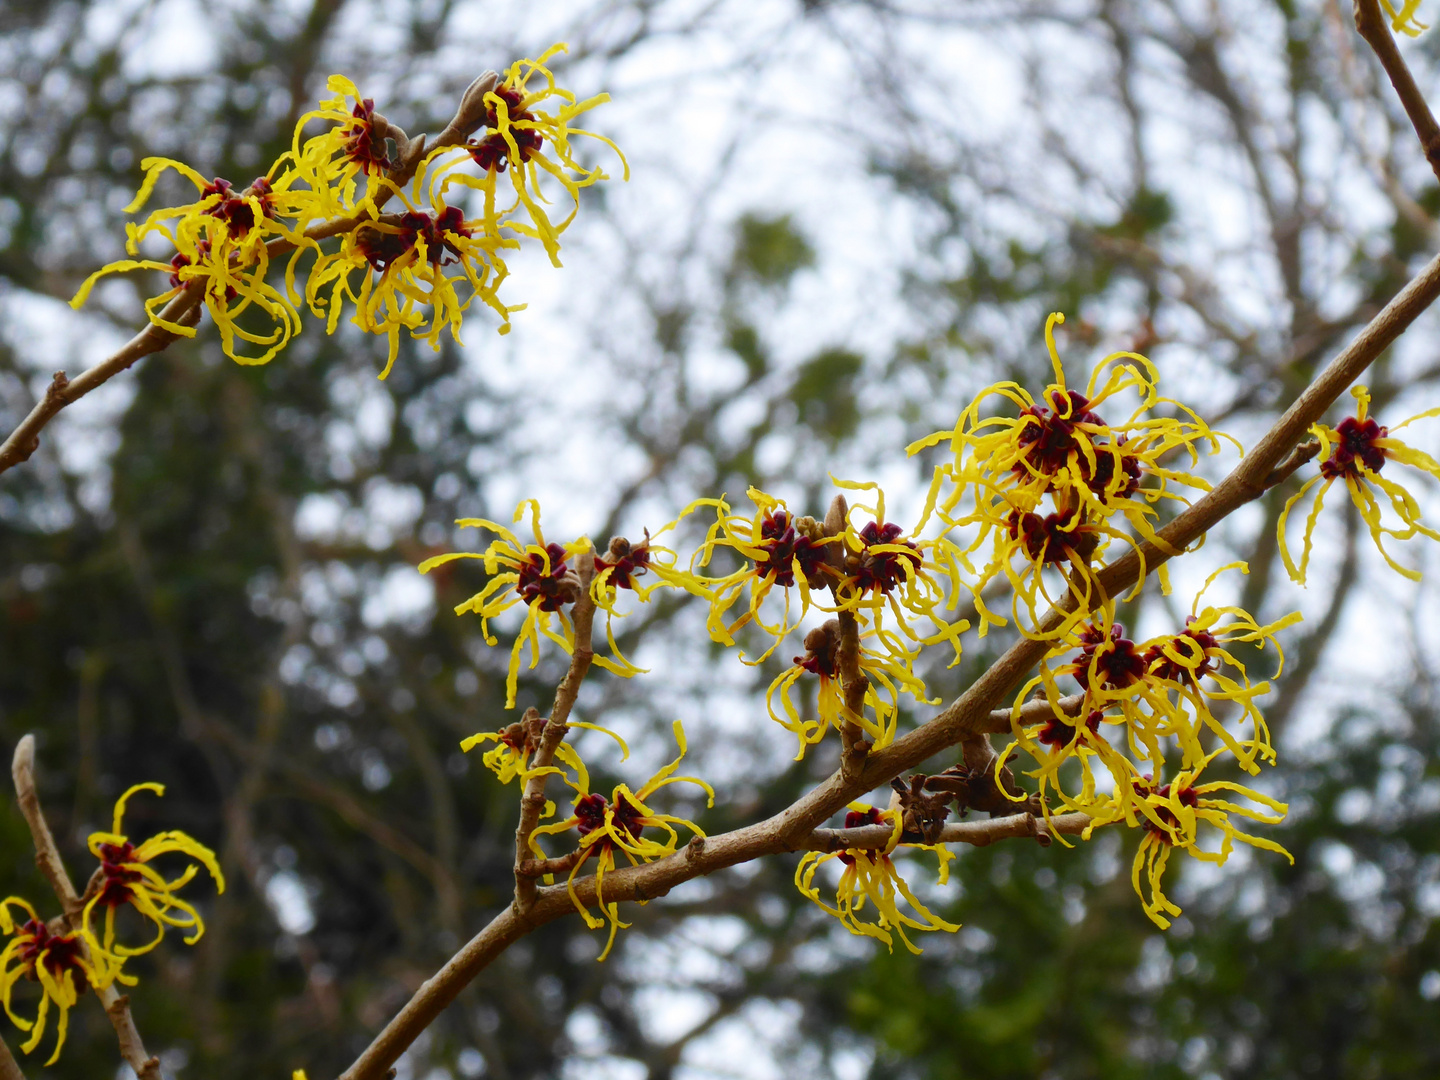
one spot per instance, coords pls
(47, 857)
(980, 833)
(1376, 31)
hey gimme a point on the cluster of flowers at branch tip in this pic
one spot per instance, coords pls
(64, 958)
(418, 270)
(1037, 496)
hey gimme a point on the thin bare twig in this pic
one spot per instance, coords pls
(1375, 29)
(47, 857)
(184, 308)
(969, 715)
(980, 833)
(532, 803)
(9, 1067)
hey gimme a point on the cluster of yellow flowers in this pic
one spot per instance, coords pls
(65, 960)
(1034, 498)
(338, 181)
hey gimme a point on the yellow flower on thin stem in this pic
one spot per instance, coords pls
(783, 551)
(883, 670)
(543, 581)
(354, 148)
(885, 570)
(1355, 452)
(1171, 815)
(509, 758)
(527, 140)
(60, 963)
(625, 565)
(126, 877)
(615, 824)
(870, 877)
(403, 259)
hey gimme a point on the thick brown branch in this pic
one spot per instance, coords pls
(184, 308)
(47, 857)
(969, 715)
(1375, 29)
(532, 802)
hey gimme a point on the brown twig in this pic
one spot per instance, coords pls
(969, 715)
(1374, 28)
(9, 1067)
(532, 803)
(47, 857)
(853, 687)
(184, 308)
(980, 833)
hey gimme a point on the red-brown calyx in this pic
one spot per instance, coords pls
(1356, 447)
(549, 589)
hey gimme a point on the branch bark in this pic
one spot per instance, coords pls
(47, 857)
(532, 802)
(1374, 28)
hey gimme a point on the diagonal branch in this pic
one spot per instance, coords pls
(1376, 31)
(971, 714)
(532, 802)
(47, 857)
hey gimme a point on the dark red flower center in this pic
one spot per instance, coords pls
(1357, 444)
(1060, 734)
(855, 819)
(61, 952)
(550, 590)
(364, 147)
(1186, 796)
(382, 247)
(590, 814)
(233, 209)
(1103, 474)
(1194, 644)
(493, 152)
(1047, 436)
(783, 547)
(119, 878)
(1047, 538)
(1113, 657)
(629, 562)
(883, 570)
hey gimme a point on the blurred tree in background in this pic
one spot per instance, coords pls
(845, 218)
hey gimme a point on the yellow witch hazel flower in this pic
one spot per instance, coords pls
(522, 136)
(871, 877)
(357, 147)
(403, 259)
(784, 551)
(220, 240)
(1171, 815)
(1062, 450)
(625, 565)
(1355, 452)
(60, 963)
(607, 826)
(882, 670)
(509, 758)
(883, 570)
(126, 877)
(543, 581)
